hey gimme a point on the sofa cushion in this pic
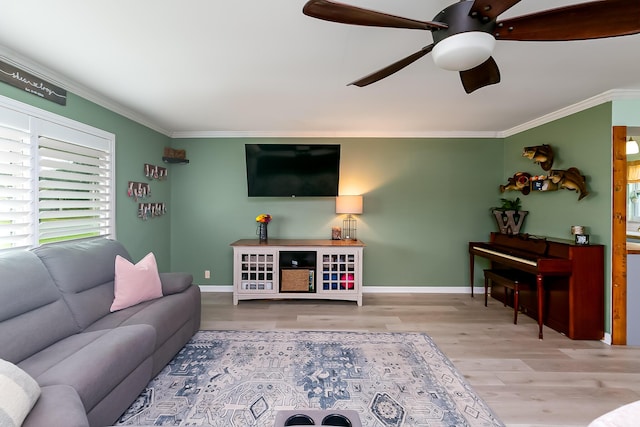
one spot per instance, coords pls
(135, 283)
(84, 272)
(33, 314)
(18, 393)
(93, 363)
(166, 315)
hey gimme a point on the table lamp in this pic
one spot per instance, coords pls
(349, 205)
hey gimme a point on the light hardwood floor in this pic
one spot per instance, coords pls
(527, 382)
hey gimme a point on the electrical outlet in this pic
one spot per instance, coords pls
(207, 274)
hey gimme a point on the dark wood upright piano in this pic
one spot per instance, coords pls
(571, 278)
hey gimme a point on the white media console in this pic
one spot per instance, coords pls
(301, 269)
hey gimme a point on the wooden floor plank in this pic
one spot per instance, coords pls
(527, 382)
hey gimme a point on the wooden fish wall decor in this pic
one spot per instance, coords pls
(570, 179)
(541, 154)
(521, 181)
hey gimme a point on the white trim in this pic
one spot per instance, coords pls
(611, 95)
(30, 110)
(421, 290)
(13, 58)
(44, 73)
(381, 289)
(42, 121)
(216, 288)
(328, 134)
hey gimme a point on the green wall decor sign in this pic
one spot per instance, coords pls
(32, 84)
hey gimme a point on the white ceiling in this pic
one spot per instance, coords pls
(261, 67)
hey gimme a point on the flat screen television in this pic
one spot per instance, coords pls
(292, 170)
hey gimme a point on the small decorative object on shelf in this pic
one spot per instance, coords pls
(263, 220)
(171, 155)
(336, 233)
(581, 238)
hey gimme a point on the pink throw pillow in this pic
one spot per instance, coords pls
(135, 283)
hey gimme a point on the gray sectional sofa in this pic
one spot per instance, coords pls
(56, 325)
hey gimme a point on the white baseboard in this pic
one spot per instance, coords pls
(381, 289)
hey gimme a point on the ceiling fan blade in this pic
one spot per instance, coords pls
(491, 8)
(393, 68)
(346, 14)
(483, 75)
(593, 20)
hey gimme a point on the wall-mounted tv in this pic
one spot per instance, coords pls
(292, 170)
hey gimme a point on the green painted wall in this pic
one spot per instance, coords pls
(626, 112)
(135, 146)
(424, 199)
(582, 140)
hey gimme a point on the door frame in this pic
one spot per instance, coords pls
(619, 237)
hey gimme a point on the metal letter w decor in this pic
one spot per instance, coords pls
(509, 222)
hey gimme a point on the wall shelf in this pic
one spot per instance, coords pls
(173, 160)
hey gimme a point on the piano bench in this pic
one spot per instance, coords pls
(510, 280)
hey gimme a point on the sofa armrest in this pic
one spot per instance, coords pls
(173, 283)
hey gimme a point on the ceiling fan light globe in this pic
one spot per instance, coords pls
(463, 51)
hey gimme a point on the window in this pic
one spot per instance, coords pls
(56, 178)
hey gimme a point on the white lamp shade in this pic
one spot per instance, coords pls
(632, 146)
(349, 204)
(463, 51)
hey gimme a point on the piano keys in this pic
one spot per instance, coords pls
(569, 280)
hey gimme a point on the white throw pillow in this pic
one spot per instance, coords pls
(18, 393)
(134, 284)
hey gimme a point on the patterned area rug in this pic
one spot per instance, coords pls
(228, 378)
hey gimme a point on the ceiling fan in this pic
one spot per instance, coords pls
(464, 34)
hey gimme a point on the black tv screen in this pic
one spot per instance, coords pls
(292, 170)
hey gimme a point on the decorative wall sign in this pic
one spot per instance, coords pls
(138, 190)
(155, 172)
(151, 210)
(32, 84)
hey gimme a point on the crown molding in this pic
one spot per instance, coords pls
(44, 73)
(318, 134)
(100, 99)
(608, 96)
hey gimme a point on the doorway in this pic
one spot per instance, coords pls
(619, 267)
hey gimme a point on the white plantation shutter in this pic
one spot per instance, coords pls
(73, 190)
(16, 182)
(56, 178)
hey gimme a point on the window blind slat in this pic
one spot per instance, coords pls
(63, 204)
(45, 183)
(72, 213)
(46, 153)
(69, 176)
(48, 163)
(71, 195)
